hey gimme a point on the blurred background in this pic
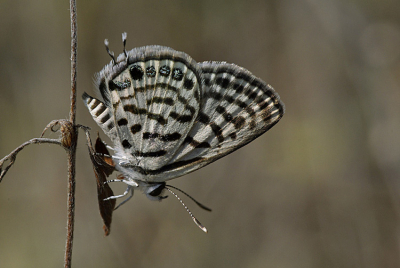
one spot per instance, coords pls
(320, 189)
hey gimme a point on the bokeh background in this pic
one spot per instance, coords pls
(320, 189)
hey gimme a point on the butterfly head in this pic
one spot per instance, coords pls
(153, 191)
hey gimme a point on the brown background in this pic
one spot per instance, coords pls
(320, 189)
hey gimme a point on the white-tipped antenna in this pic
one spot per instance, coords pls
(124, 36)
(204, 229)
(108, 50)
(194, 200)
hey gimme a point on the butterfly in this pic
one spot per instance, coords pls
(168, 115)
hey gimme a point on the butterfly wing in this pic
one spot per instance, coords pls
(236, 108)
(153, 94)
(168, 115)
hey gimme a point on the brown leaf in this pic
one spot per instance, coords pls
(100, 148)
(103, 166)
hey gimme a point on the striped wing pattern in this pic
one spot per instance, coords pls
(168, 115)
(236, 108)
(154, 112)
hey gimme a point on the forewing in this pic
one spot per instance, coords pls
(236, 108)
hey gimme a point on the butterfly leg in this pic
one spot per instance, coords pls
(129, 189)
(102, 155)
(129, 182)
(121, 195)
(108, 146)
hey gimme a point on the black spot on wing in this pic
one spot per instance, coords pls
(240, 103)
(238, 122)
(159, 118)
(222, 82)
(110, 125)
(112, 86)
(126, 144)
(251, 94)
(165, 70)
(167, 101)
(264, 105)
(117, 85)
(238, 88)
(203, 118)
(188, 84)
(181, 118)
(177, 74)
(166, 137)
(148, 135)
(197, 144)
(151, 71)
(171, 137)
(207, 82)
(221, 110)
(122, 122)
(101, 110)
(136, 128)
(135, 110)
(105, 118)
(150, 154)
(217, 131)
(136, 72)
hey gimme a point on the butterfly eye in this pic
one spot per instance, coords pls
(156, 190)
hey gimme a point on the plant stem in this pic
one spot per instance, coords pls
(72, 150)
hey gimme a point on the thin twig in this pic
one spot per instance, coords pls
(74, 46)
(13, 155)
(72, 149)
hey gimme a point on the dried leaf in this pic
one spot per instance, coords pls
(103, 166)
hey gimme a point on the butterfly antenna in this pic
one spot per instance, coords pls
(194, 200)
(108, 50)
(204, 229)
(124, 36)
